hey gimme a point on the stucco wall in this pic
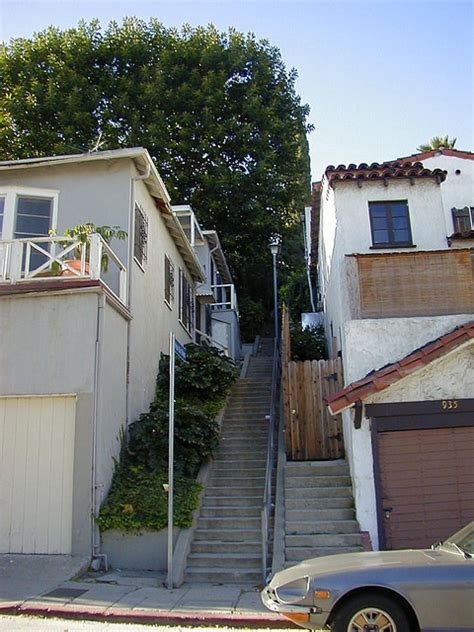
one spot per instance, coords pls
(152, 318)
(450, 377)
(458, 189)
(345, 226)
(112, 411)
(48, 347)
(96, 192)
(373, 343)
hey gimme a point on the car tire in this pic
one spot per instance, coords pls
(367, 609)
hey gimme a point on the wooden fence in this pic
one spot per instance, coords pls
(311, 432)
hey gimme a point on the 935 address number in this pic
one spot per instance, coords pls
(449, 404)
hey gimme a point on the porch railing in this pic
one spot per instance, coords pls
(272, 427)
(225, 295)
(45, 259)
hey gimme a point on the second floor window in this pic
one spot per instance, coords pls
(463, 219)
(140, 243)
(186, 302)
(390, 224)
(169, 281)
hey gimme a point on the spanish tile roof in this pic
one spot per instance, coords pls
(376, 171)
(423, 155)
(386, 376)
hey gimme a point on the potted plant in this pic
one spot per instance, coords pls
(81, 233)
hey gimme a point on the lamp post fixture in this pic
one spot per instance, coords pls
(274, 246)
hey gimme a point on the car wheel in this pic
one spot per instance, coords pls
(370, 613)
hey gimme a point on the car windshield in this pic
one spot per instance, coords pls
(463, 539)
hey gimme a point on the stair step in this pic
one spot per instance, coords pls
(214, 546)
(224, 511)
(325, 515)
(239, 481)
(249, 561)
(300, 554)
(229, 523)
(227, 535)
(300, 482)
(235, 501)
(219, 575)
(323, 540)
(314, 525)
(316, 468)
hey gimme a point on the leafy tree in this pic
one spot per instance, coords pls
(217, 111)
(438, 141)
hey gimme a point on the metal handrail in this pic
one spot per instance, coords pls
(267, 495)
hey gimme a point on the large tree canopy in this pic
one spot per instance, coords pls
(218, 112)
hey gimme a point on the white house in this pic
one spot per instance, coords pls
(217, 314)
(395, 281)
(80, 347)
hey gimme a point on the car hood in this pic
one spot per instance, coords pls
(357, 562)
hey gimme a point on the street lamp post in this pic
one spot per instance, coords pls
(275, 249)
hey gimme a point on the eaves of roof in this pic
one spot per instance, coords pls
(386, 376)
(219, 256)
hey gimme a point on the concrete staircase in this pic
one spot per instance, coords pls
(227, 541)
(319, 511)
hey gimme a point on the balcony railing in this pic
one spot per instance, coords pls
(43, 259)
(226, 297)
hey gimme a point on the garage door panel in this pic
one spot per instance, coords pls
(36, 477)
(427, 478)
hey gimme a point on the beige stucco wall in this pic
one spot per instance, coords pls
(450, 377)
(48, 345)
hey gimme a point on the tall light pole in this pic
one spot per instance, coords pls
(275, 249)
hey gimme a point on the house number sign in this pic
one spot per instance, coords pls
(449, 404)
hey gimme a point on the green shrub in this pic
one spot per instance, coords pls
(206, 375)
(196, 436)
(137, 500)
(308, 343)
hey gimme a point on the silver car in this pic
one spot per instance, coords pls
(428, 590)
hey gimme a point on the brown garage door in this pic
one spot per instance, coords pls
(427, 484)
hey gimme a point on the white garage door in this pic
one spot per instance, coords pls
(36, 474)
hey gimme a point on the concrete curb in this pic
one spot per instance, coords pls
(119, 615)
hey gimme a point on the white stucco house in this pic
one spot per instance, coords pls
(80, 346)
(217, 312)
(395, 273)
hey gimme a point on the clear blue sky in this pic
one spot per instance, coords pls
(380, 76)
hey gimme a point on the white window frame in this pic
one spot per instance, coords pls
(171, 302)
(11, 195)
(192, 297)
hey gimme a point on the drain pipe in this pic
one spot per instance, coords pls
(97, 488)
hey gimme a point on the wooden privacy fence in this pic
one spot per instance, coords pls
(311, 432)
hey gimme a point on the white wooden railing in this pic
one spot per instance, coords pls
(225, 295)
(60, 258)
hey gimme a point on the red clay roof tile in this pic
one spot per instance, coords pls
(376, 171)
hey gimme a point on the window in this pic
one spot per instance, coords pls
(169, 281)
(463, 219)
(140, 236)
(186, 302)
(33, 219)
(390, 224)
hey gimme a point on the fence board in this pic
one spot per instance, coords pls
(311, 432)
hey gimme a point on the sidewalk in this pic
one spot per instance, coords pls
(141, 597)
